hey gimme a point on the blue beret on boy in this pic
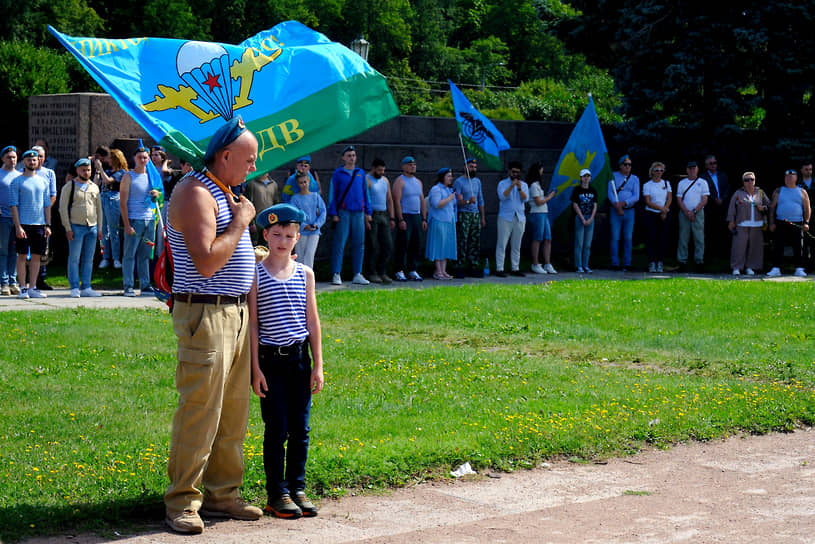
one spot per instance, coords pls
(224, 136)
(280, 213)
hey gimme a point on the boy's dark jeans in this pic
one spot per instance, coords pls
(285, 412)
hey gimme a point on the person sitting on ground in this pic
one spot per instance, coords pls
(80, 209)
(789, 221)
(441, 230)
(284, 327)
(746, 214)
(313, 208)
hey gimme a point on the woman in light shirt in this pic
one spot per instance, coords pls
(658, 196)
(745, 219)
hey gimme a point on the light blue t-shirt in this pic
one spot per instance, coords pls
(31, 196)
(6, 177)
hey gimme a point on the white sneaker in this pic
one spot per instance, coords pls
(359, 279)
(35, 293)
(538, 269)
(75, 293)
(749, 271)
(336, 279)
(400, 276)
(659, 266)
(588, 270)
(774, 272)
(736, 272)
(117, 264)
(800, 273)
(580, 270)
(549, 268)
(413, 275)
(23, 292)
(104, 264)
(652, 267)
(88, 292)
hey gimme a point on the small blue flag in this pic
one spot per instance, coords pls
(480, 136)
(586, 148)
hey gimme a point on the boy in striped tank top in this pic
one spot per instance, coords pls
(284, 324)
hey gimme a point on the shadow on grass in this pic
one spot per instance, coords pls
(107, 520)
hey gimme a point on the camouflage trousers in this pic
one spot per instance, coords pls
(468, 236)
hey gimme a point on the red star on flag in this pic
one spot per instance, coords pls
(212, 81)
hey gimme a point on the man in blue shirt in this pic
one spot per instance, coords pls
(512, 194)
(350, 208)
(623, 194)
(290, 188)
(471, 219)
(30, 203)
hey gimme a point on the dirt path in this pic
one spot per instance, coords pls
(740, 490)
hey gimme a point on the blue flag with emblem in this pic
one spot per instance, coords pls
(182, 91)
(586, 148)
(480, 136)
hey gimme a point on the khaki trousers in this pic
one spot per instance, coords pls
(213, 379)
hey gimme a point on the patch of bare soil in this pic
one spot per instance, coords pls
(740, 490)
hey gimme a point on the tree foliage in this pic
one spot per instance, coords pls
(714, 67)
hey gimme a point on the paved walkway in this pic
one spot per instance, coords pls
(60, 298)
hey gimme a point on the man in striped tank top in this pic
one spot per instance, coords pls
(283, 325)
(213, 263)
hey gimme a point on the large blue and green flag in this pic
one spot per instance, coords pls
(480, 136)
(586, 148)
(294, 88)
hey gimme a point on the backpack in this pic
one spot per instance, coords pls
(163, 273)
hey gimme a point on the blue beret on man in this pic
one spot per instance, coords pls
(408, 160)
(7, 149)
(280, 213)
(304, 158)
(84, 161)
(31, 153)
(224, 136)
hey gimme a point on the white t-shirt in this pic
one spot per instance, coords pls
(658, 193)
(693, 196)
(537, 190)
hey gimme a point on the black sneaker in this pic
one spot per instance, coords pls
(284, 508)
(305, 505)
(501, 274)
(42, 286)
(517, 273)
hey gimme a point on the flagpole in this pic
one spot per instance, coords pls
(466, 170)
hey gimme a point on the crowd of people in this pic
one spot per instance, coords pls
(105, 199)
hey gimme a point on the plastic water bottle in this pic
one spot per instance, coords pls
(486, 267)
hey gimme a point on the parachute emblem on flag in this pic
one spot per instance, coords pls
(210, 81)
(475, 129)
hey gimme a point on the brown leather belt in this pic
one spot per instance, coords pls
(193, 298)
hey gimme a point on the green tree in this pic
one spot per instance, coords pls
(28, 70)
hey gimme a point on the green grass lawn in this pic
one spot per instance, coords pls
(417, 382)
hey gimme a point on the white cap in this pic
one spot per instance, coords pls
(584, 172)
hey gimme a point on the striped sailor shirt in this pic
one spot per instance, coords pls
(237, 275)
(281, 307)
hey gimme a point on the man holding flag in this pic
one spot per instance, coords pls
(471, 219)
